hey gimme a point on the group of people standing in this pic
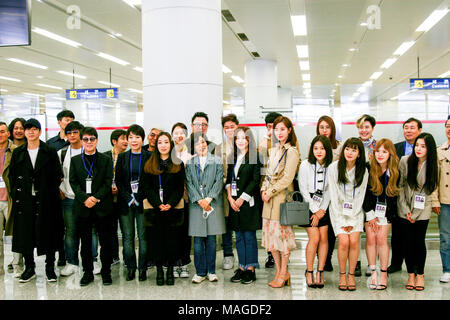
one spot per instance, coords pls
(181, 189)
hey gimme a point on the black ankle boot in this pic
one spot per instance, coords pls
(159, 276)
(170, 281)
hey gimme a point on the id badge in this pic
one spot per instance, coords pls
(207, 213)
(88, 185)
(347, 209)
(134, 186)
(317, 198)
(419, 201)
(380, 210)
(2, 183)
(161, 194)
(234, 189)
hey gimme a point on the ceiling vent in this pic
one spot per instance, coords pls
(256, 54)
(228, 16)
(242, 36)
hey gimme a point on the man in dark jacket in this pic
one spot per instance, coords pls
(91, 179)
(35, 175)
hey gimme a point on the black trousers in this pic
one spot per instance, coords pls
(104, 227)
(413, 242)
(49, 261)
(398, 254)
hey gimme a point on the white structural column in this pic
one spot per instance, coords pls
(182, 62)
(260, 88)
(284, 98)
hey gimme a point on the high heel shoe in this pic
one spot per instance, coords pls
(343, 287)
(281, 281)
(411, 286)
(321, 283)
(420, 288)
(310, 284)
(372, 285)
(383, 286)
(351, 287)
(277, 275)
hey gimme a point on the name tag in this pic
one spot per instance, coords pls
(347, 208)
(380, 210)
(161, 194)
(234, 189)
(88, 185)
(419, 201)
(2, 183)
(317, 198)
(134, 186)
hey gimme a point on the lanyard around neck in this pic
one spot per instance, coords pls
(92, 165)
(131, 165)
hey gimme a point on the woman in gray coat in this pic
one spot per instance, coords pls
(204, 184)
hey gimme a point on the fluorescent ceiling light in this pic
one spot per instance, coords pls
(106, 83)
(225, 69)
(56, 37)
(304, 65)
(40, 77)
(225, 102)
(432, 19)
(138, 69)
(389, 62)
(445, 74)
(10, 79)
(118, 34)
(306, 77)
(352, 49)
(27, 63)
(307, 85)
(362, 89)
(403, 48)
(70, 74)
(299, 25)
(3, 90)
(376, 75)
(340, 77)
(363, 24)
(132, 3)
(367, 84)
(237, 79)
(32, 94)
(302, 51)
(135, 90)
(345, 65)
(48, 86)
(129, 101)
(113, 59)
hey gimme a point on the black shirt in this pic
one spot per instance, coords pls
(57, 143)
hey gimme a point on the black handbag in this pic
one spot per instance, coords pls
(294, 212)
(174, 219)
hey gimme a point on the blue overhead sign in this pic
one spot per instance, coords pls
(429, 84)
(102, 93)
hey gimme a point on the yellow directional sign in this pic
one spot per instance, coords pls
(110, 93)
(73, 94)
(418, 84)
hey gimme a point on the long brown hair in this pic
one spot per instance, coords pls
(152, 164)
(392, 165)
(330, 122)
(292, 138)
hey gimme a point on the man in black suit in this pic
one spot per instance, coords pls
(200, 125)
(411, 130)
(91, 180)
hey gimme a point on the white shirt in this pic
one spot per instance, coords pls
(202, 161)
(33, 156)
(65, 184)
(239, 160)
(306, 184)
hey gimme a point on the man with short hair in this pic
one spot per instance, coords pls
(35, 175)
(199, 123)
(91, 179)
(152, 139)
(411, 130)
(60, 140)
(71, 241)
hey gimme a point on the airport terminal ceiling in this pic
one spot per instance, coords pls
(343, 52)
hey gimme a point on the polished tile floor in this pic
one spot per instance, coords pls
(68, 288)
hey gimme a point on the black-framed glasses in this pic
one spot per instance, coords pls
(91, 139)
(73, 131)
(198, 125)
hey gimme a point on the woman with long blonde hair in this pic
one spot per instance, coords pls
(380, 207)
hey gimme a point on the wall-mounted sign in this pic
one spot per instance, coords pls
(429, 83)
(102, 93)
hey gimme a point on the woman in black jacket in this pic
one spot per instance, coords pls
(163, 189)
(242, 186)
(380, 207)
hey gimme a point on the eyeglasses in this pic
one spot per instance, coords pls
(91, 139)
(200, 125)
(73, 131)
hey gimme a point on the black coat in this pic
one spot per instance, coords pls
(47, 175)
(400, 149)
(123, 180)
(101, 185)
(247, 180)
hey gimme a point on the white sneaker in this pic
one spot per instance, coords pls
(17, 271)
(445, 277)
(212, 277)
(97, 268)
(198, 279)
(176, 272)
(184, 272)
(228, 263)
(68, 270)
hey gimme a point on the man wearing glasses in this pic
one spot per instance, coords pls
(35, 175)
(90, 177)
(200, 124)
(152, 139)
(71, 241)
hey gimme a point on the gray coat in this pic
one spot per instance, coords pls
(212, 181)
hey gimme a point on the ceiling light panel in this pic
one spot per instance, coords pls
(48, 86)
(225, 69)
(444, 75)
(304, 65)
(56, 37)
(106, 83)
(135, 90)
(28, 63)
(302, 51)
(10, 79)
(139, 69)
(403, 48)
(70, 74)
(376, 75)
(237, 79)
(306, 77)
(299, 25)
(388, 63)
(113, 59)
(432, 19)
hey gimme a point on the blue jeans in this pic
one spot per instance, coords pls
(247, 249)
(71, 239)
(444, 234)
(205, 255)
(128, 225)
(227, 242)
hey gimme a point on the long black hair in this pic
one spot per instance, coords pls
(328, 149)
(251, 156)
(431, 180)
(360, 165)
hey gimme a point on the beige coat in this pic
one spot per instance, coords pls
(9, 151)
(444, 173)
(337, 151)
(281, 179)
(405, 200)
